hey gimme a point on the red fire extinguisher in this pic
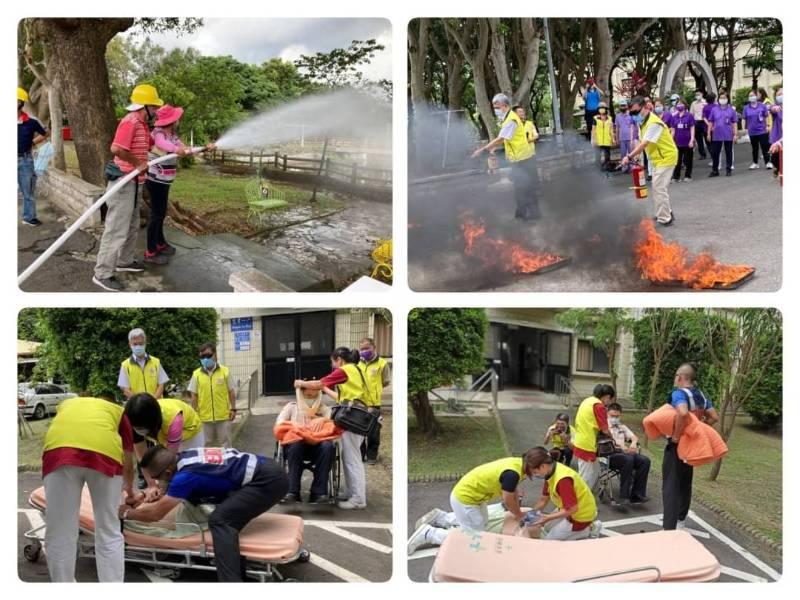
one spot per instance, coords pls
(639, 182)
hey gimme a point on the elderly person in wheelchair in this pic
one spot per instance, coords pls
(625, 461)
(306, 438)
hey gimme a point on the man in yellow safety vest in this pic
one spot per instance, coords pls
(519, 154)
(141, 372)
(213, 396)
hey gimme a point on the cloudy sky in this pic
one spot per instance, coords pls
(257, 40)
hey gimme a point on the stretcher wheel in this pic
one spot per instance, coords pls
(304, 556)
(31, 552)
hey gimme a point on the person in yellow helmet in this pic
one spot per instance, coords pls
(89, 443)
(470, 497)
(30, 132)
(603, 137)
(130, 148)
(575, 517)
(519, 154)
(351, 386)
(378, 375)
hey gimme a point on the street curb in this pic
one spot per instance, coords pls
(436, 478)
(503, 436)
(28, 468)
(238, 429)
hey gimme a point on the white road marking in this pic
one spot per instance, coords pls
(353, 537)
(747, 555)
(34, 517)
(349, 524)
(652, 520)
(744, 576)
(336, 570)
(427, 553)
(151, 575)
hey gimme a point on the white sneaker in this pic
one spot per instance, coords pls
(432, 517)
(595, 528)
(769, 166)
(687, 180)
(681, 525)
(419, 538)
(711, 163)
(350, 505)
(754, 166)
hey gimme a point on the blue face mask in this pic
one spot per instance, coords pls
(208, 363)
(637, 118)
(138, 350)
(779, 99)
(659, 110)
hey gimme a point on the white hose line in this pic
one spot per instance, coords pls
(32, 268)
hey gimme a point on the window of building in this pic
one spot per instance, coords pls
(590, 359)
(383, 335)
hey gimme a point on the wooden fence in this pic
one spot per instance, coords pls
(348, 172)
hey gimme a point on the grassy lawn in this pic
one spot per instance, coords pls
(465, 443)
(749, 485)
(29, 449)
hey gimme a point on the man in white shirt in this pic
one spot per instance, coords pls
(696, 108)
(633, 467)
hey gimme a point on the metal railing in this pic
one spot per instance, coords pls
(565, 390)
(464, 400)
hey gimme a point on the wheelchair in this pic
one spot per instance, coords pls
(608, 475)
(335, 475)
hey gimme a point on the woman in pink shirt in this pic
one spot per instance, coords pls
(160, 177)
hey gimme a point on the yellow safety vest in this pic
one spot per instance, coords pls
(768, 103)
(353, 388)
(664, 153)
(531, 135)
(373, 374)
(482, 483)
(602, 131)
(586, 426)
(587, 507)
(170, 408)
(142, 379)
(517, 148)
(87, 424)
(213, 403)
(559, 442)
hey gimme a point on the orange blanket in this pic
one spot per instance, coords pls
(289, 433)
(700, 444)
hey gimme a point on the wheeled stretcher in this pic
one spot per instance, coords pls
(267, 541)
(470, 556)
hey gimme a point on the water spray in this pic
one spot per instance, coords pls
(34, 266)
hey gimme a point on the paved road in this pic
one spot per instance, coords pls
(743, 558)
(345, 546)
(593, 220)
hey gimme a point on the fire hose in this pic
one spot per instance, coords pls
(34, 266)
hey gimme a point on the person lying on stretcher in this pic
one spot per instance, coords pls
(242, 485)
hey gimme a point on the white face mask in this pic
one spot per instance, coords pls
(723, 101)
(752, 99)
(613, 420)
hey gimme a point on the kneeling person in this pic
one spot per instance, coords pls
(243, 486)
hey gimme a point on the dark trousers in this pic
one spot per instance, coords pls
(523, 178)
(676, 490)
(371, 443)
(320, 457)
(760, 141)
(716, 152)
(268, 486)
(566, 455)
(685, 158)
(589, 115)
(159, 194)
(604, 155)
(633, 472)
(700, 137)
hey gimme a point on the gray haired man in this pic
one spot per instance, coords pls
(141, 372)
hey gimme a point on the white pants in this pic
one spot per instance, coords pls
(198, 441)
(217, 433)
(589, 472)
(562, 530)
(661, 178)
(354, 476)
(63, 489)
(465, 516)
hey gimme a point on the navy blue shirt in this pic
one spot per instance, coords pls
(211, 473)
(27, 129)
(693, 397)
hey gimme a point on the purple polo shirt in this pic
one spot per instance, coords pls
(722, 119)
(707, 110)
(756, 118)
(777, 124)
(683, 126)
(666, 117)
(628, 130)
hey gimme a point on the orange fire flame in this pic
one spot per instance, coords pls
(502, 254)
(662, 261)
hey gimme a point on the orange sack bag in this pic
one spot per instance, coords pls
(700, 443)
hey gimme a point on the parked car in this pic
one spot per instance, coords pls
(38, 400)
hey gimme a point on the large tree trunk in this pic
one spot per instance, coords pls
(473, 41)
(423, 411)
(76, 50)
(604, 51)
(417, 51)
(56, 121)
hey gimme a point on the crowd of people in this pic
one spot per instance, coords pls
(566, 474)
(181, 448)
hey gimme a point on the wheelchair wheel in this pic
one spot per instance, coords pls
(32, 551)
(304, 556)
(334, 481)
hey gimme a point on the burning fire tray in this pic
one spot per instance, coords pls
(566, 260)
(717, 286)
